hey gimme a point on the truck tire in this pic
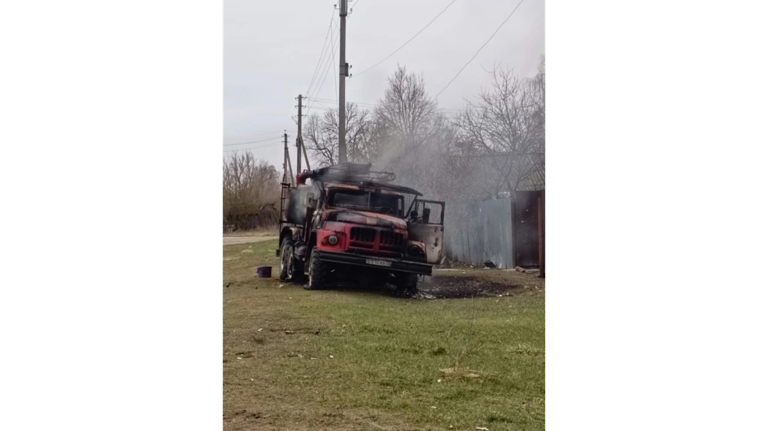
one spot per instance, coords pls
(319, 273)
(406, 284)
(291, 269)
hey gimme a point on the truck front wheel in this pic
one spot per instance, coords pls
(319, 273)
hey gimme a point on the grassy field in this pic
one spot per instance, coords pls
(356, 360)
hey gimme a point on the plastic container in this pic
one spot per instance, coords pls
(264, 272)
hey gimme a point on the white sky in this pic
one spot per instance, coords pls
(271, 50)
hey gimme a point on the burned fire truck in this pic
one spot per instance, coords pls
(346, 222)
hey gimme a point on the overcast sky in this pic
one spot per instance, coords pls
(271, 50)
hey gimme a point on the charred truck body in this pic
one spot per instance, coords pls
(349, 222)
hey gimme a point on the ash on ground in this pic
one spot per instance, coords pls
(446, 287)
(455, 284)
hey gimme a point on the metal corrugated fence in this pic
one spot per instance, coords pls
(485, 235)
(507, 232)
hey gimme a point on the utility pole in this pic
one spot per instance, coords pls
(298, 142)
(287, 162)
(343, 73)
(285, 159)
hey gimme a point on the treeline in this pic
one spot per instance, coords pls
(251, 193)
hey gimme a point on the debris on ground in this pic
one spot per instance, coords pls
(447, 287)
(422, 295)
(451, 283)
(526, 271)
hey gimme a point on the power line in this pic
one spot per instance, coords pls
(329, 100)
(255, 135)
(336, 105)
(335, 88)
(250, 142)
(254, 147)
(328, 61)
(325, 76)
(330, 65)
(481, 48)
(365, 104)
(322, 51)
(324, 63)
(336, 102)
(409, 40)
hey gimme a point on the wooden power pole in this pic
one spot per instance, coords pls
(298, 142)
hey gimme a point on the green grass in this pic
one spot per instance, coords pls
(479, 362)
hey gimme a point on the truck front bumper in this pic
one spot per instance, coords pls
(394, 265)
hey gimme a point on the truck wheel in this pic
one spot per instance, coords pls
(286, 251)
(318, 272)
(406, 284)
(291, 269)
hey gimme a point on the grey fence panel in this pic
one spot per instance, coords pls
(484, 235)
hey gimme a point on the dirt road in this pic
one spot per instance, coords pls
(229, 240)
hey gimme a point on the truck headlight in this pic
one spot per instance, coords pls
(415, 250)
(333, 240)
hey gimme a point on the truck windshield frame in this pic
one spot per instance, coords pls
(364, 200)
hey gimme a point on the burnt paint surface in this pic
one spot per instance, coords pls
(432, 237)
(296, 210)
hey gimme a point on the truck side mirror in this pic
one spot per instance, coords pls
(425, 215)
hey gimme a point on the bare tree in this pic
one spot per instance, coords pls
(319, 141)
(507, 124)
(406, 110)
(409, 133)
(251, 192)
(321, 134)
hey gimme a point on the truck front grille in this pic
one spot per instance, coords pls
(362, 234)
(362, 237)
(391, 239)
